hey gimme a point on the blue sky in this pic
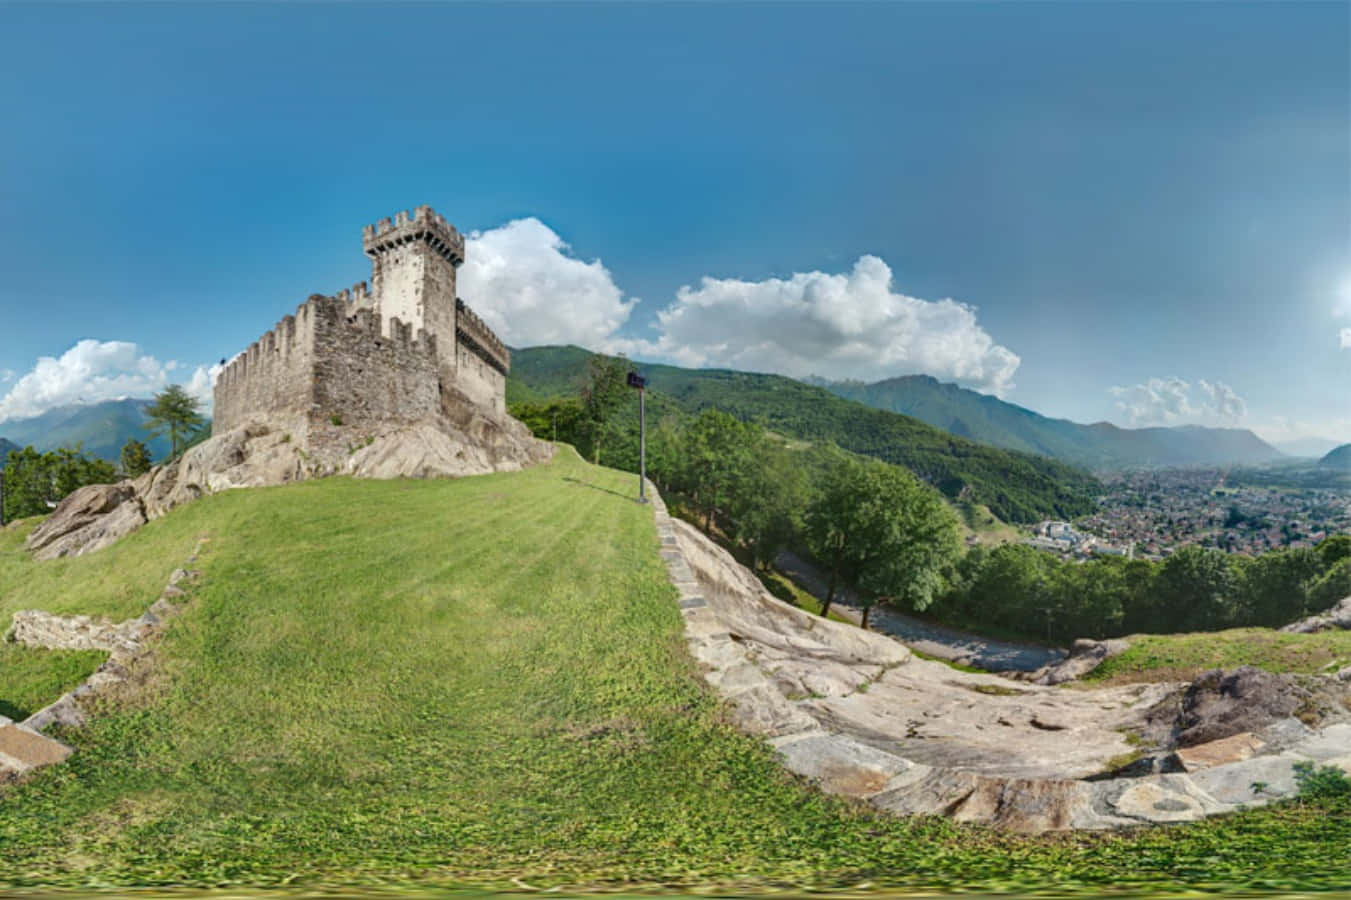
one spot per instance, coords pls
(1137, 212)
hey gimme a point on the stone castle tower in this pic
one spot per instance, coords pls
(403, 351)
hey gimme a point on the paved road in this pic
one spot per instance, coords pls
(926, 637)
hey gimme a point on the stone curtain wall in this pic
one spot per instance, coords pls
(481, 360)
(331, 359)
(272, 380)
(479, 381)
(366, 374)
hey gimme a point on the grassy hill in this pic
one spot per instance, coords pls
(1017, 487)
(469, 681)
(990, 420)
(101, 428)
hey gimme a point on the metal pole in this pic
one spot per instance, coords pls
(642, 445)
(2, 499)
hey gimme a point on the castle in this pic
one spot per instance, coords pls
(404, 350)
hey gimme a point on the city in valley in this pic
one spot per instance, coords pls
(1150, 513)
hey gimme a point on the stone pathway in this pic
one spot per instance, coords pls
(939, 641)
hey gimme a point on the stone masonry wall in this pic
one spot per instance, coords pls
(272, 380)
(331, 359)
(368, 374)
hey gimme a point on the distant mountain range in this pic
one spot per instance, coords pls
(1017, 487)
(1309, 448)
(1339, 458)
(100, 428)
(1102, 445)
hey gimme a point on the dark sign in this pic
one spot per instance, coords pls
(637, 381)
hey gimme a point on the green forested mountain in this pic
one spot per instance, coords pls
(5, 447)
(990, 420)
(101, 428)
(1017, 487)
(1339, 458)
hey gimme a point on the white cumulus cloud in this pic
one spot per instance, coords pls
(93, 371)
(1171, 401)
(524, 282)
(846, 325)
(1346, 338)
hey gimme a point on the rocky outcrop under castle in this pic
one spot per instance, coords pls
(96, 516)
(859, 716)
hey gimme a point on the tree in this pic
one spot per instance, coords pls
(176, 413)
(1197, 589)
(1276, 586)
(1334, 549)
(875, 526)
(34, 482)
(602, 394)
(1334, 584)
(768, 500)
(135, 458)
(718, 450)
(556, 420)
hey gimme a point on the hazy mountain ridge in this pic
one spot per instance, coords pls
(1308, 448)
(100, 428)
(989, 420)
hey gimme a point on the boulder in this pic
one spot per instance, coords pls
(89, 518)
(1220, 704)
(1085, 656)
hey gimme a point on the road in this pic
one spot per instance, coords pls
(933, 640)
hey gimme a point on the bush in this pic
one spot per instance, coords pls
(1321, 782)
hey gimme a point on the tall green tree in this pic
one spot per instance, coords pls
(718, 449)
(876, 527)
(603, 392)
(176, 413)
(769, 500)
(135, 458)
(1195, 589)
(1276, 586)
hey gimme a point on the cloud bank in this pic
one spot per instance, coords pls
(847, 325)
(525, 283)
(93, 371)
(1170, 401)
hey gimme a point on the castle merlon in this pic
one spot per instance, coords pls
(357, 295)
(423, 224)
(476, 333)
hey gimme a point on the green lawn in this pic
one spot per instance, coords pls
(31, 678)
(1181, 657)
(482, 679)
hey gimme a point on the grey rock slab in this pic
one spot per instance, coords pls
(1332, 742)
(1274, 777)
(842, 765)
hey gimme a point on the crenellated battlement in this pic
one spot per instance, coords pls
(294, 344)
(468, 326)
(423, 224)
(358, 295)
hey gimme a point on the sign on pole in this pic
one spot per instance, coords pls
(639, 383)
